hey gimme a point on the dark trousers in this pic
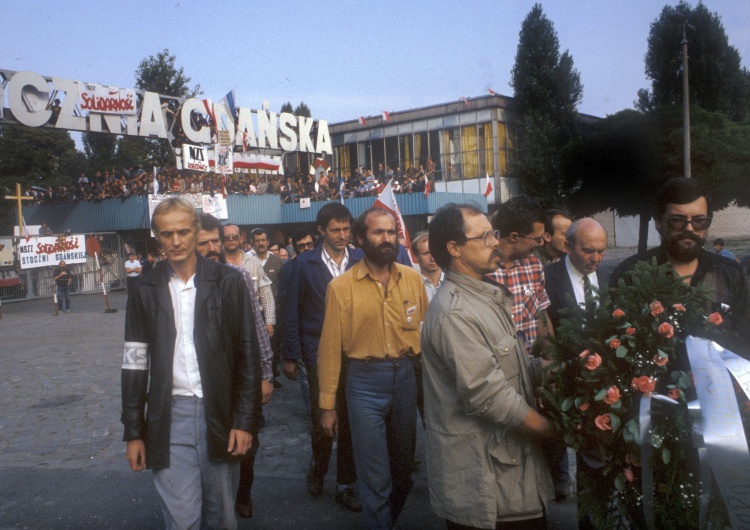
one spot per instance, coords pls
(247, 470)
(322, 444)
(63, 297)
(528, 524)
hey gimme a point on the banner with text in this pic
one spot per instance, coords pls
(107, 99)
(194, 157)
(50, 251)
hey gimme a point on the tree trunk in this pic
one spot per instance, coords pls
(644, 218)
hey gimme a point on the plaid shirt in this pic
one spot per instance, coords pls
(525, 279)
(264, 343)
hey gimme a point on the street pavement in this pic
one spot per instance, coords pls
(62, 463)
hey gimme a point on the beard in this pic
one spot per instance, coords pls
(380, 255)
(680, 253)
(213, 255)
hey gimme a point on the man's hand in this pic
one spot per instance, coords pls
(239, 442)
(269, 328)
(329, 422)
(266, 391)
(136, 455)
(290, 369)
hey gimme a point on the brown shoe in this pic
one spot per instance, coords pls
(244, 507)
(349, 499)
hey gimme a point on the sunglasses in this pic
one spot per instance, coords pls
(233, 237)
(680, 222)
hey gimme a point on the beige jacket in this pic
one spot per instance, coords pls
(478, 389)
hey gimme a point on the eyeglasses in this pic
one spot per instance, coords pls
(488, 238)
(537, 240)
(680, 222)
(307, 244)
(233, 237)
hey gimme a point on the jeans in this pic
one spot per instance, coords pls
(63, 297)
(322, 444)
(195, 492)
(382, 399)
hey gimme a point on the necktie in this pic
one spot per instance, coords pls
(588, 292)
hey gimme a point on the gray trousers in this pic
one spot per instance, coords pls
(195, 492)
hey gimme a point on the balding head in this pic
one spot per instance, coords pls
(586, 244)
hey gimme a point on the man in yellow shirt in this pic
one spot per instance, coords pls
(373, 315)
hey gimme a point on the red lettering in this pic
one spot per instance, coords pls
(60, 246)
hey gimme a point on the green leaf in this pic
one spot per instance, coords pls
(600, 395)
(615, 419)
(620, 482)
(617, 405)
(621, 351)
(662, 354)
(666, 455)
(566, 404)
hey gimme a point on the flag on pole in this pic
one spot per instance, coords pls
(229, 99)
(387, 201)
(341, 189)
(492, 92)
(386, 116)
(465, 100)
(427, 188)
(362, 120)
(489, 187)
(26, 232)
(209, 106)
(155, 183)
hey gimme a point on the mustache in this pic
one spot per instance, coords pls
(389, 246)
(687, 235)
(213, 254)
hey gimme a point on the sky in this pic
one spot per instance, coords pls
(343, 58)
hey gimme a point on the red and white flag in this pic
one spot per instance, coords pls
(465, 100)
(386, 116)
(489, 187)
(492, 92)
(387, 201)
(209, 106)
(427, 188)
(362, 120)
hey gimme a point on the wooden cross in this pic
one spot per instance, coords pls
(19, 198)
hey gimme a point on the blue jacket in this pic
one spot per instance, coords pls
(306, 304)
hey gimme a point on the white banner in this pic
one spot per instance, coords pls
(223, 159)
(106, 100)
(194, 157)
(216, 205)
(50, 251)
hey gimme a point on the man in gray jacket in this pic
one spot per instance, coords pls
(484, 464)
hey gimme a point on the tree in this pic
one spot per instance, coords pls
(640, 151)
(34, 157)
(100, 150)
(287, 107)
(302, 110)
(547, 89)
(717, 80)
(155, 74)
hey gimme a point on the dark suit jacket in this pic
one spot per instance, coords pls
(272, 269)
(560, 289)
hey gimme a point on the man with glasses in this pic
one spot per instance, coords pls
(520, 223)
(485, 466)
(682, 217)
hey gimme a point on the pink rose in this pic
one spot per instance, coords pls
(644, 384)
(632, 460)
(614, 343)
(656, 308)
(715, 319)
(593, 361)
(618, 313)
(628, 474)
(674, 393)
(666, 330)
(679, 307)
(603, 422)
(584, 406)
(630, 331)
(613, 395)
(659, 360)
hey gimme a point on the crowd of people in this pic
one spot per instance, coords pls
(324, 185)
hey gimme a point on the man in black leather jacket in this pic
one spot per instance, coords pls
(189, 360)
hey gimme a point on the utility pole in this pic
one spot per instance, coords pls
(686, 99)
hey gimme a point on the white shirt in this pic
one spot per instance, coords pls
(186, 377)
(132, 265)
(431, 289)
(336, 270)
(576, 278)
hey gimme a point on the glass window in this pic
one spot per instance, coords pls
(450, 121)
(419, 126)
(469, 152)
(468, 118)
(435, 123)
(420, 149)
(406, 151)
(452, 154)
(378, 153)
(436, 153)
(390, 131)
(486, 152)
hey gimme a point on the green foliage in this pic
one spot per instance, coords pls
(287, 107)
(547, 89)
(100, 150)
(302, 110)
(717, 80)
(159, 74)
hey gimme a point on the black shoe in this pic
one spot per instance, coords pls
(314, 482)
(244, 507)
(349, 499)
